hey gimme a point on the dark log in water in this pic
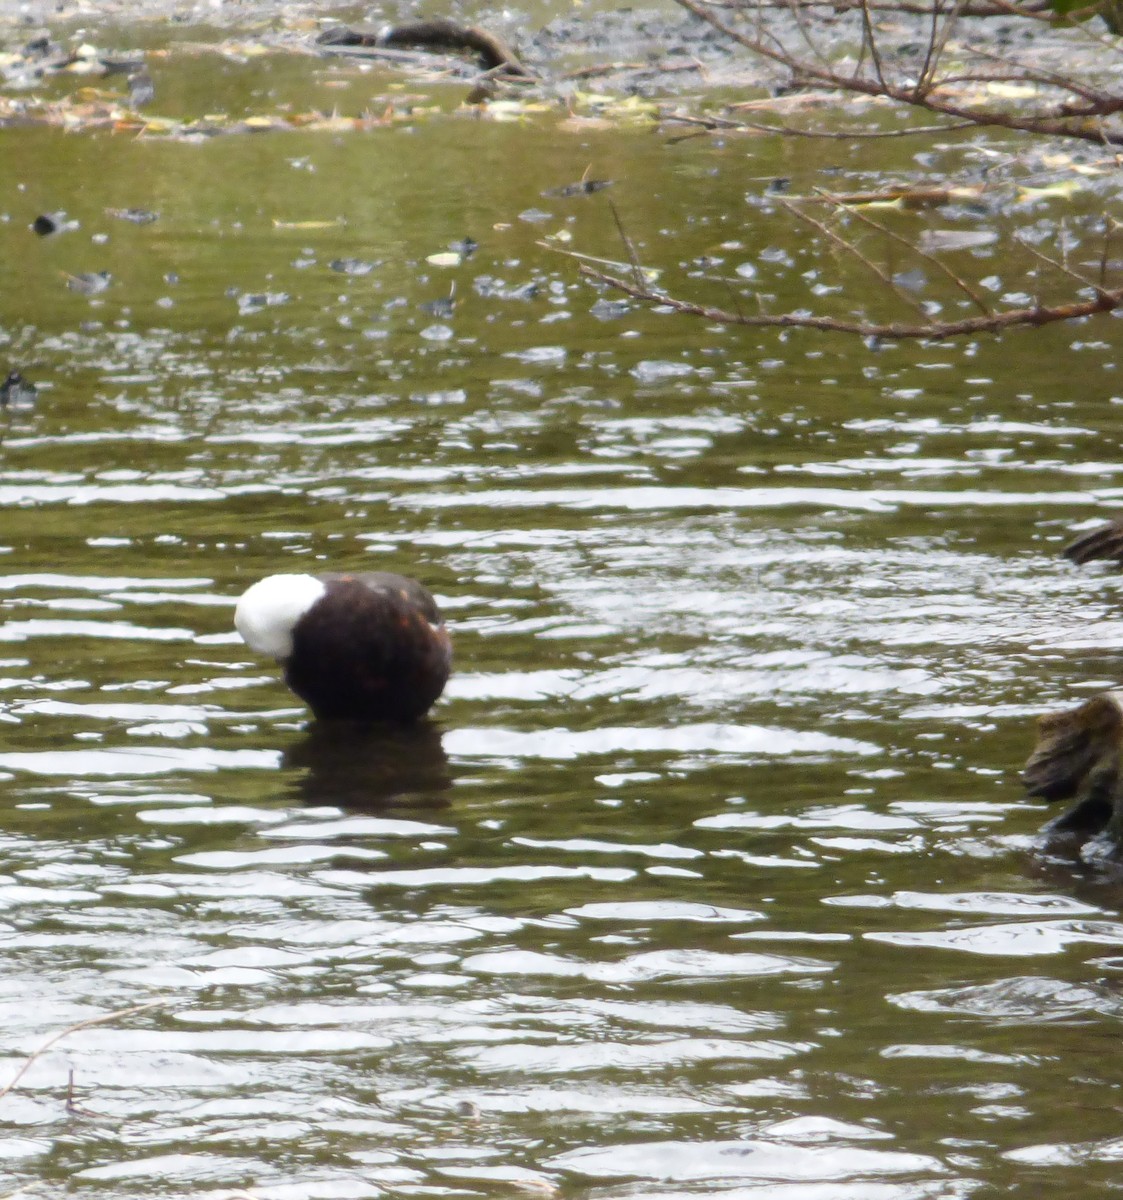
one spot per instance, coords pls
(1077, 758)
(438, 34)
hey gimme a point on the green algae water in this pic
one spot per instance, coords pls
(711, 875)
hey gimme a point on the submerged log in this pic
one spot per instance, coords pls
(1077, 758)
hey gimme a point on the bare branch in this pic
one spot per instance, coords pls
(1055, 122)
(869, 42)
(710, 123)
(1035, 315)
(937, 42)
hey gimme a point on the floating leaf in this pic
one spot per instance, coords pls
(905, 197)
(278, 224)
(447, 258)
(1061, 190)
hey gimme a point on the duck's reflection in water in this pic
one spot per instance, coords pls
(358, 766)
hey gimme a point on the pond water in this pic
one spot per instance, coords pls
(712, 874)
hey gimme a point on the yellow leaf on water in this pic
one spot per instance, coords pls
(448, 258)
(278, 224)
(1062, 190)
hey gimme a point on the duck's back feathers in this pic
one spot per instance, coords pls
(372, 648)
(1105, 542)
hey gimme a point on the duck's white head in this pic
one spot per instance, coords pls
(268, 611)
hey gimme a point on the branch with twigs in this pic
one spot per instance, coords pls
(1057, 104)
(1104, 300)
(1039, 10)
(1096, 296)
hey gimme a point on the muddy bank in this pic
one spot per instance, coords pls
(650, 51)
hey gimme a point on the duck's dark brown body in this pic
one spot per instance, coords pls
(372, 648)
(1103, 542)
(1078, 753)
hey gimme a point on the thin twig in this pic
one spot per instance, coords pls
(1057, 264)
(870, 41)
(1110, 226)
(963, 286)
(841, 242)
(104, 1019)
(633, 258)
(72, 1105)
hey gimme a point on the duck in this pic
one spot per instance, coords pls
(1079, 752)
(1104, 542)
(369, 646)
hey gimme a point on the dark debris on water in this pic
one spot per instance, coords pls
(46, 224)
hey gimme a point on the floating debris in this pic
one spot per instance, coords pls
(126, 62)
(442, 308)
(17, 392)
(136, 216)
(352, 266)
(142, 90)
(254, 302)
(466, 247)
(583, 187)
(48, 223)
(89, 283)
(491, 288)
(610, 310)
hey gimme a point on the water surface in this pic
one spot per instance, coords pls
(711, 875)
